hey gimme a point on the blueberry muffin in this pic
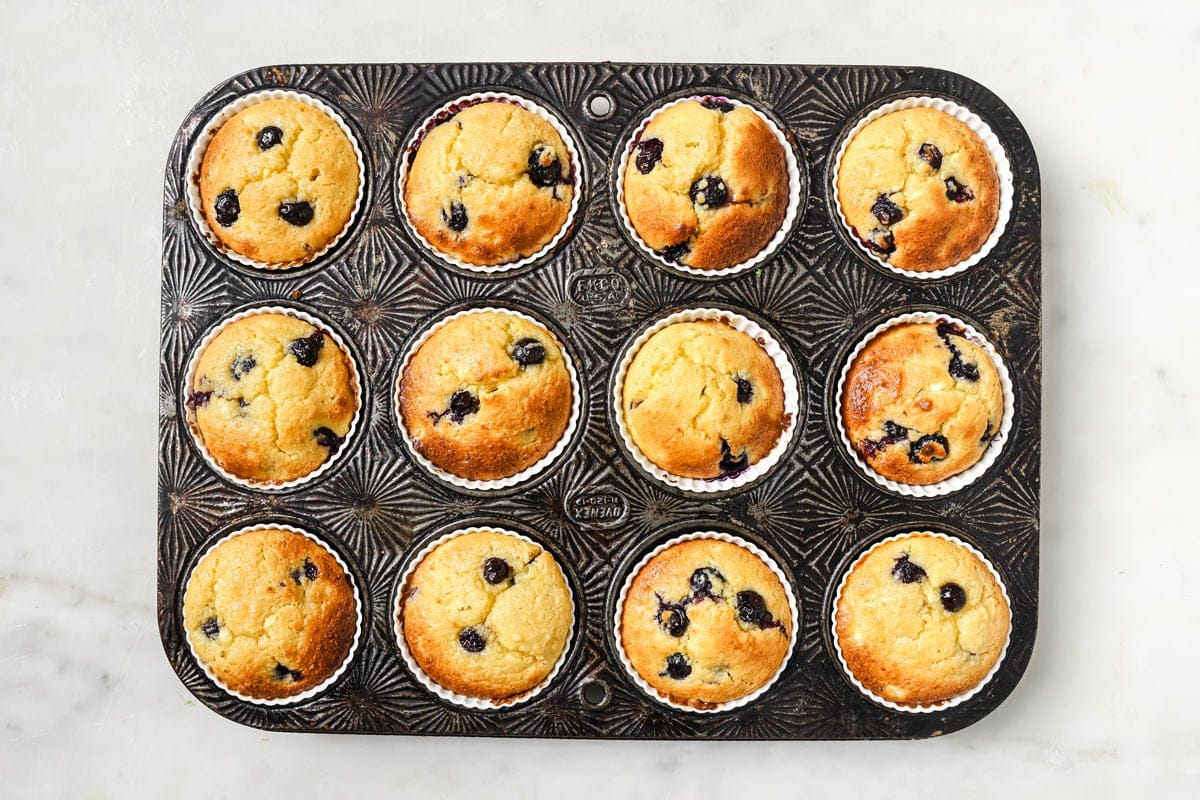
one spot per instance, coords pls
(490, 185)
(703, 400)
(272, 398)
(279, 181)
(486, 396)
(921, 620)
(487, 614)
(922, 402)
(919, 189)
(271, 613)
(706, 184)
(706, 622)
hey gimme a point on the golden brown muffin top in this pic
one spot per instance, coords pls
(706, 622)
(919, 189)
(921, 620)
(270, 612)
(279, 181)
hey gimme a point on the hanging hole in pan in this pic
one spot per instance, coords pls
(600, 105)
(594, 694)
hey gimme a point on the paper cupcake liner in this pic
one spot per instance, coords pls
(193, 429)
(933, 707)
(512, 480)
(325, 684)
(790, 215)
(444, 113)
(955, 482)
(468, 701)
(995, 150)
(196, 159)
(791, 401)
(649, 690)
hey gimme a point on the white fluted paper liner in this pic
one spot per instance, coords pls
(525, 474)
(189, 376)
(790, 215)
(196, 160)
(995, 150)
(467, 701)
(358, 623)
(443, 114)
(968, 476)
(933, 707)
(791, 401)
(793, 607)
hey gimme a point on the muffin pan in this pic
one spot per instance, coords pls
(814, 511)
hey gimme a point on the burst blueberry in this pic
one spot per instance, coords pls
(906, 571)
(307, 349)
(242, 366)
(649, 153)
(496, 570)
(328, 439)
(678, 667)
(672, 253)
(544, 168)
(471, 640)
(268, 137)
(528, 352)
(456, 220)
(928, 449)
(931, 155)
(211, 627)
(296, 212)
(958, 192)
(709, 191)
(886, 211)
(731, 464)
(745, 391)
(226, 208)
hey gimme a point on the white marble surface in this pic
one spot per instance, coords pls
(90, 96)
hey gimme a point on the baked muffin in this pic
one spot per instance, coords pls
(919, 189)
(490, 185)
(705, 622)
(703, 400)
(922, 402)
(920, 620)
(279, 181)
(271, 613)
(486, 396)
(487, 614)
(272, 398)
(706, 184)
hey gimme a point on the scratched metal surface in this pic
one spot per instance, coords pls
(595, 509)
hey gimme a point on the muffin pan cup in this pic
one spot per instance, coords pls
(995, 150)
(796, 194)
(467, 701)
(718, 707)
(918, 708)
(323, 685)
(196, 160)
(813, 295)
(198, 439)
(968, 476)
(446, 112)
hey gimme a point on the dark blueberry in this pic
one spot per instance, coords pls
(953, 597)
(678, 667)
(456, 220)
(649, 153)
(957, 192)
(298, 213)
(745, 390)
(928, 449)
(674, 252)
(198, 400)
(881, 241)
(268, 137)
(227, 208)
(931, 155)
(296, 576)
(310, 570)
(282, 673)
(544, 167)
(730, 464)
(242, 365)
(892, 434)
(752, 609)
(717, 104)
(887, 212)
(709, 191)
(470, 640)
(211, 627)
(958, 368)
(328, 439)
(702, 581)
(989, 433)
(307, 350)
(496, 570)
(672, 617)
(906, 571)
(462, 404)
(528, 352)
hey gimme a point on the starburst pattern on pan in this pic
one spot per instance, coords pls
(565, 91)
(366, 502)
(192, 503)
(374, 696)
(449, 80)
(764, 718)
(439, 287)
(194, 291)
(650, 85)
(380, 247)
(773, 507)
(373, 305)
(302, 77)
(379, 97)
(631, 714)
(840, 508)
(556, 716)
(426, 714)
(848, 298)
(654, 290)
(781, 293)
(831, 98)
